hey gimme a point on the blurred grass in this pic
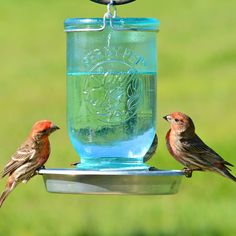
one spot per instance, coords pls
(197, 58)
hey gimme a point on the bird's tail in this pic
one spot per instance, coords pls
(9, 187)
(225, 172)
(230, 176)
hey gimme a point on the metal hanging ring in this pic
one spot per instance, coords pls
(114, 2)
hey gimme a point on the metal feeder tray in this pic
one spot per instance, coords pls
(141, 182)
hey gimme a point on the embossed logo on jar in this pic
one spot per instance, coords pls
(113, 90)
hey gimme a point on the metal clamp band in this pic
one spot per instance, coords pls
(112, 27)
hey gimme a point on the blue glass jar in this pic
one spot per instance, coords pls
(111, 90)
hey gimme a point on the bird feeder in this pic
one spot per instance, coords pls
(111, 107)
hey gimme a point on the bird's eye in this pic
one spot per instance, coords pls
(176, 120)
(44, 131)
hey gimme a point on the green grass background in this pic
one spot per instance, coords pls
(197, 75)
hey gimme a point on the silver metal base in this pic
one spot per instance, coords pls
(146, 182)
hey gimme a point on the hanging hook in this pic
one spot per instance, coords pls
(108, 19)
(109, 14)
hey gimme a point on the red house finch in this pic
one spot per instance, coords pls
(187, 148)
(29, 157)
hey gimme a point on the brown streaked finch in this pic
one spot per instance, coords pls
(187, 148)
(29, 157)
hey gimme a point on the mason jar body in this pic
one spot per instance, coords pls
(111, 90)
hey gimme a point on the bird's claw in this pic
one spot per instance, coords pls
(75, 163)
(152, 168)
(187, 172)
(37, 171)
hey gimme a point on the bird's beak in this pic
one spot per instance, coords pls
(167, 117)
(54, 128)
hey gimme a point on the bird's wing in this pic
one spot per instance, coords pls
(195, 147)
(22, 155)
